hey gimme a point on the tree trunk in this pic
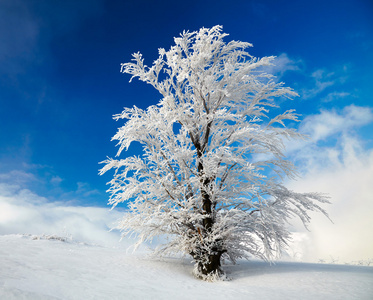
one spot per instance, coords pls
(212, 266)
(208, 260)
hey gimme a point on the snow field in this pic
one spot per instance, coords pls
(52, 269)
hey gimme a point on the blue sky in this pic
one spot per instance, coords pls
(60, 84)
(60, 81)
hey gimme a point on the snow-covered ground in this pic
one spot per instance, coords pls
(52, 269)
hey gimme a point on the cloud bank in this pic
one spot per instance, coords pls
(24, 212)
(343, 168)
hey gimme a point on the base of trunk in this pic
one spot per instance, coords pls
(217, 275)
(210, 270)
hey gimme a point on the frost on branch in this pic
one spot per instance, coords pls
(200, 178)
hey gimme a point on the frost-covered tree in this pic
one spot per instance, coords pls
(211, 171)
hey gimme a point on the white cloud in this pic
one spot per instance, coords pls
(18, 176)
(24, 212)
(329, 122)
(56, 180)
(322, 80)
(334, 96)
(318, 82)
(43, 180)
(85, 189)
(344, 171)
(283, 63)
(324, 126)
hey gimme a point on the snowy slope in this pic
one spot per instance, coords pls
(53, 269)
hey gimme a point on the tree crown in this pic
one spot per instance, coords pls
(210, 175)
